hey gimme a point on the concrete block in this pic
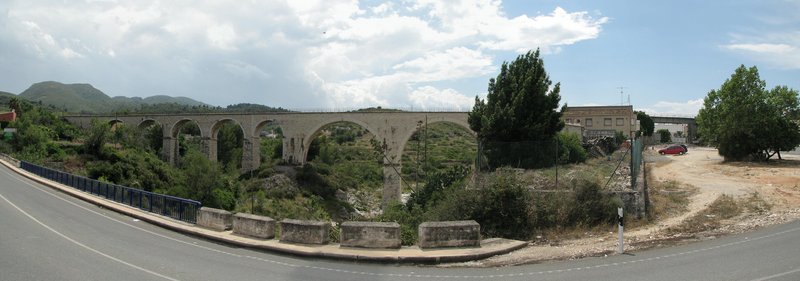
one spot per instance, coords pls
(215, 219)
(305, 232)
(253, 225)
(381, 235)
(437, 234)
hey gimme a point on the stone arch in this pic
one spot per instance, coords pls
(217, 125)
(147, 123)
(257, 135)
(316, 130)
(114, 123)
(176, 128)
(174, 146)
(212, 141)
(404, 139)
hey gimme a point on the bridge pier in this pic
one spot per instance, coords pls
(169, 150)
(210, 148)
(251, 154)
(298, 128)
(392, 184)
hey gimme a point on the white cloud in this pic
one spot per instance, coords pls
(668, 108)
(546, 31)
(430, 98)
(337, 53)
(245, 70)
(454, 63)
(778, 49)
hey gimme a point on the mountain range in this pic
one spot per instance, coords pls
(85, 98)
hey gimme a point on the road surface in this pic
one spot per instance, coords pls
(47, 235)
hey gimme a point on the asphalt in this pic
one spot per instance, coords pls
(49, 235)
(412, 254)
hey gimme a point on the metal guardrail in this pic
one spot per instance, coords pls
(636, 162)
(165, 205)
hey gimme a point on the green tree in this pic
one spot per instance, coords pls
(98, 136)
(746, 121)
(646, 124)
(665, 135)
(206, 182)
(230, 140)
(521, 106)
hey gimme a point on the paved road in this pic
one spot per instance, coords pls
(46, 235)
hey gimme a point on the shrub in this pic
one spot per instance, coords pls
(592, 207)
(571, 150)
(502, 208)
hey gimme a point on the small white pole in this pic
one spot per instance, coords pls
(621, 226)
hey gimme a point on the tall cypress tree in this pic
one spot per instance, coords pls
(518, 122)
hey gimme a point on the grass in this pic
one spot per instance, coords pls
(725, 207)
(668, 199)
(594, 169)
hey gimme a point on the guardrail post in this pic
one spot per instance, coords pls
(180, 210)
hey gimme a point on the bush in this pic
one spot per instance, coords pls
(502, 209)
(310, 178)
(666, 137)
(408, 218)
(571, 150)
(592, 207)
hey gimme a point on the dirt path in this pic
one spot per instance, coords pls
(704, 173)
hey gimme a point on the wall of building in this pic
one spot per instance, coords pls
(603, 120)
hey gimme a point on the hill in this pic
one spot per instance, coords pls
(4, 98)
(85, 98)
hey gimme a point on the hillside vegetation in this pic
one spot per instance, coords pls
(84, 98)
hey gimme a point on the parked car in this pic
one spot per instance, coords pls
(674, 149)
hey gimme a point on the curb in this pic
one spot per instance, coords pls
(490, 247)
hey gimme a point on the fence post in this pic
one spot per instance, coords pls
(621, 223)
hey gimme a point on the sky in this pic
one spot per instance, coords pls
(660, 56)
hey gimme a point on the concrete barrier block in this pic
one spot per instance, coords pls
(438, 234)
(253, 225)
(381, 235)
(215, 219)
(305, 232)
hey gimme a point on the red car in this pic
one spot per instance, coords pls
(674, 149)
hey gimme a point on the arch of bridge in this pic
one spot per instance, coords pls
(394, 129)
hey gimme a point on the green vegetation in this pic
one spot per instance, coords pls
(434, 149)
(571, 151)
(84, 98)
(521, 106)
(343, 178)
(646, 123)
(665, 135)
(748, 122)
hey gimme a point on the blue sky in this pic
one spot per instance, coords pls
(419, 54)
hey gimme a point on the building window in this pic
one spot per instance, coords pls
(588, 122)
(620, 121)
(569, 120)
(607, 122)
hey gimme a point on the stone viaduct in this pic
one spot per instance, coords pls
(393, 129)
(691, 135)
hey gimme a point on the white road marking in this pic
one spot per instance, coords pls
(747, 240)
(777, 275)
(83, 245)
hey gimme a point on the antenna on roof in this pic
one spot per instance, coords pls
(621, 101)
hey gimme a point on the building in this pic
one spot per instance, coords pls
(7, 117)
(600, 121)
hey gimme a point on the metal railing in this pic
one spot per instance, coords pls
(165, 205)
